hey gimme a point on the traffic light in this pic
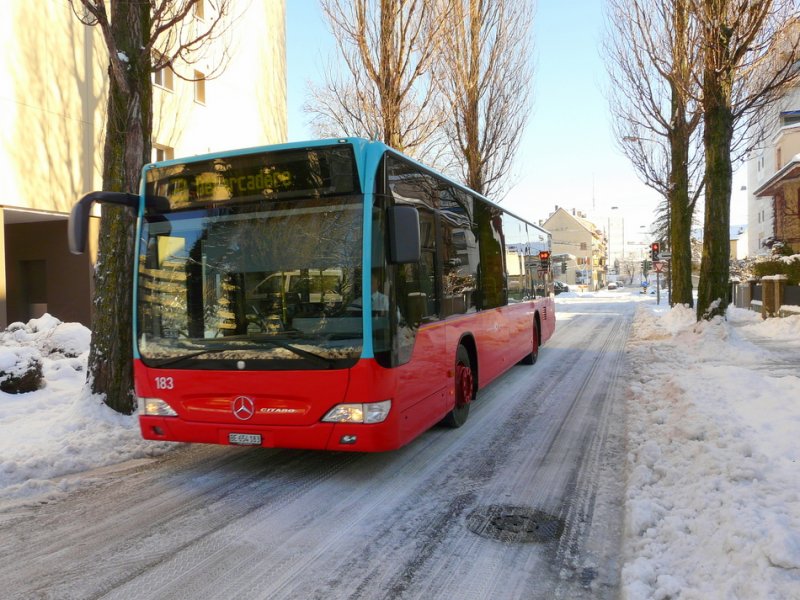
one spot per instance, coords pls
(655, 247)
(544, 259)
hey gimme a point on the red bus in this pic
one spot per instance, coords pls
(328, 295)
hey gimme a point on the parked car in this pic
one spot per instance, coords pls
(560, 286)
(612, 285)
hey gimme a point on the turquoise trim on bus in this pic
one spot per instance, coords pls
(139, 216)
(367, 156)
(356, 142)
(368, 168)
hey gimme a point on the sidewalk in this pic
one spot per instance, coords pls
(778, 337)
(712, 493)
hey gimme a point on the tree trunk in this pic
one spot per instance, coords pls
(472, 124)
(680, 210)
(389, 77)
(680, 221)
(712, 296)
(679, 226)
(127, 149)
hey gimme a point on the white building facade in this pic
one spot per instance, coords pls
(53, 86)
(780, 146)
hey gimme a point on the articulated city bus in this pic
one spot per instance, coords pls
(326, 295)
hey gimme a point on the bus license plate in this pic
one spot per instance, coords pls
(245, 439)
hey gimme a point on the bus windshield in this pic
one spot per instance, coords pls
(266, 283)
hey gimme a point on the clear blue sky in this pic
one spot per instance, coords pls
(568, 156)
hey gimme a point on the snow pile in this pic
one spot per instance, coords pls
(61, 428)
(713, 493)
(789, 259)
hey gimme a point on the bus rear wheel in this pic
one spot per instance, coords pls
(464, 381)
(530, 359)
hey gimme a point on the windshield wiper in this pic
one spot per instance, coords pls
(313, 357)
(176, 359)
(317, 358)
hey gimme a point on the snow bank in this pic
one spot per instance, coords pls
(713, 496)
(60, 429)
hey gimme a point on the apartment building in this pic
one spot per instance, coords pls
(574, 235)
(773, 180)
(53, 86)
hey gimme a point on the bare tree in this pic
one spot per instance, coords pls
(141, 36)
(750, 52)
(651, 52)
(484, 75)
(388, 47)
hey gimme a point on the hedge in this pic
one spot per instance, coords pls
(790, 268)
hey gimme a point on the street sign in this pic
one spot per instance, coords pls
(666, 255)
(658, 267)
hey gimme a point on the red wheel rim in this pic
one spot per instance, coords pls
(463, 384)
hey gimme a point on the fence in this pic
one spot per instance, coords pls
(770, 296)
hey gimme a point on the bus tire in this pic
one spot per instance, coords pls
(464, 382)
(530, 359)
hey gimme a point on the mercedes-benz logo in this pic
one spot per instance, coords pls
(243, 407)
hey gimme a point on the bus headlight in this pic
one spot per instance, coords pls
(155, 407)
(371, 412)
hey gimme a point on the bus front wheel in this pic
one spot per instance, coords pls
(464, 380)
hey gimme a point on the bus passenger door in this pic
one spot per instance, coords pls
(422, 380)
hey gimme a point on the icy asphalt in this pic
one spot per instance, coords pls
(452, 515)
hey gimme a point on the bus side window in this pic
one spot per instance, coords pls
(417, 290)
(517, 258)
(493, 286)
(460, 269)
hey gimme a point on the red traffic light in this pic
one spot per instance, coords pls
(654, 248)
(544, 255)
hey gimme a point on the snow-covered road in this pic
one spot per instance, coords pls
(544, 446)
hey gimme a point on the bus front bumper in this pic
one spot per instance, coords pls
(320, 436)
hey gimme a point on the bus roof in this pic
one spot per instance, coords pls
(361, 145)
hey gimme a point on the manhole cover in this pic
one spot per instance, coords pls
(514, 524)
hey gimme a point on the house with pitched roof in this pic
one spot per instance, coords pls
(574, 234)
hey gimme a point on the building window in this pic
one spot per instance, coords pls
(162, 153)
(199, 87)
(163, 78)
(790, 117)
(583, 245)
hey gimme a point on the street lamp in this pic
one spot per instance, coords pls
(609, 238)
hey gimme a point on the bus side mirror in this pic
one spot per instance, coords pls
(403, 225)
(78, 228)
